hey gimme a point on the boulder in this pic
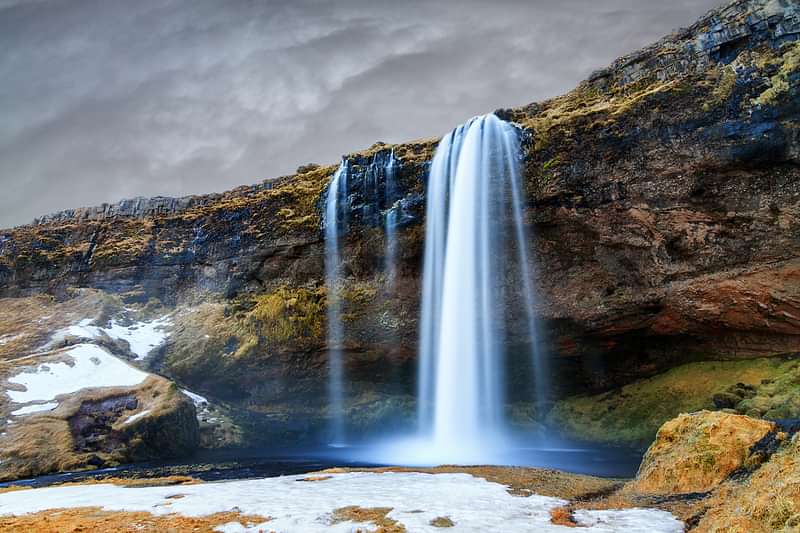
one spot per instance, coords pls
(696, 452)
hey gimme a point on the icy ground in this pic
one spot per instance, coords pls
(295, 505)
(142, 337)
(85, 366)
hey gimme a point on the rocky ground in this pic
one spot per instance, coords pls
(706, 472)
(78, 393)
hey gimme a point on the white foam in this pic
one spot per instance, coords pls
(473, 504)
(90, 366)
(35, 408)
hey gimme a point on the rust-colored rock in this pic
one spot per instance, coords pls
(696, 452)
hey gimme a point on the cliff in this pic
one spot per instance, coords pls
(662, 194)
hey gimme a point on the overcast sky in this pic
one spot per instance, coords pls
(103, 100)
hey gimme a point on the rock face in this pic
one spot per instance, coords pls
(696, 452)
(101, 428)
(71, 400)
(718, 473)
(662, 194)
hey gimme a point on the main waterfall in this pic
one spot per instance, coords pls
(474, 204)
(477, 280)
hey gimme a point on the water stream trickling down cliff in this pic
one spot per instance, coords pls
(336, 221)
(366, 181)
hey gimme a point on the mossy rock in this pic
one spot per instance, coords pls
(631, 415)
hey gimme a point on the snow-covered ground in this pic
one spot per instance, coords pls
(199, 401)
(5, 339)
(136, 417)
(90, 366)
(142, 337)
(35, 408)
(473, 504)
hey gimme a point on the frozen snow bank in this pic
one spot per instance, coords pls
(91, 366)
(142, 337)
(137, 416)
(198, 400)
(473, 504)
(35, 408)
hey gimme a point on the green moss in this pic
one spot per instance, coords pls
(725, 85)
(299, 197)
(780, 82)
(357, 299)
(587, 108)
(632, 414)
(777, 397)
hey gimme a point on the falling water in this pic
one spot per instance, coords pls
(476, 265)
(336, 220)
(467, 263)
(390, 224)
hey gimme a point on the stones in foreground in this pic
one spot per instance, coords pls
(718, 472)
(696, 452)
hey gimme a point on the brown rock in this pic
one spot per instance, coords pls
(696, 452)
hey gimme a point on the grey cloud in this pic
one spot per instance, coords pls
(105, 99)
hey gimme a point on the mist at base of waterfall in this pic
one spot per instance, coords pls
(511, 449)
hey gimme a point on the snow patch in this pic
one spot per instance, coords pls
(198, 400)
(35, 408)
(133, 418)
(5, 339)
(92, 367)
(142, 337)
(473, 504)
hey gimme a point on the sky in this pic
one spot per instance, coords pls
(102, 100)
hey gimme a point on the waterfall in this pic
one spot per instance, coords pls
(468, 262)
(477, 279)
(390, 224)
(335, 223)
(354, 191)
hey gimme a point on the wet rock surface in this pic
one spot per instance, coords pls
(91, 426)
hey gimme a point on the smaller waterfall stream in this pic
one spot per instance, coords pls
(360, 189)
(335, 223)
(390, 224)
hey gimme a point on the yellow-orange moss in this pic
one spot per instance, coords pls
(95, 519)
(289, 313)
(375, 515)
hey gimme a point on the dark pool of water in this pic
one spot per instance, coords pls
(248, 464)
